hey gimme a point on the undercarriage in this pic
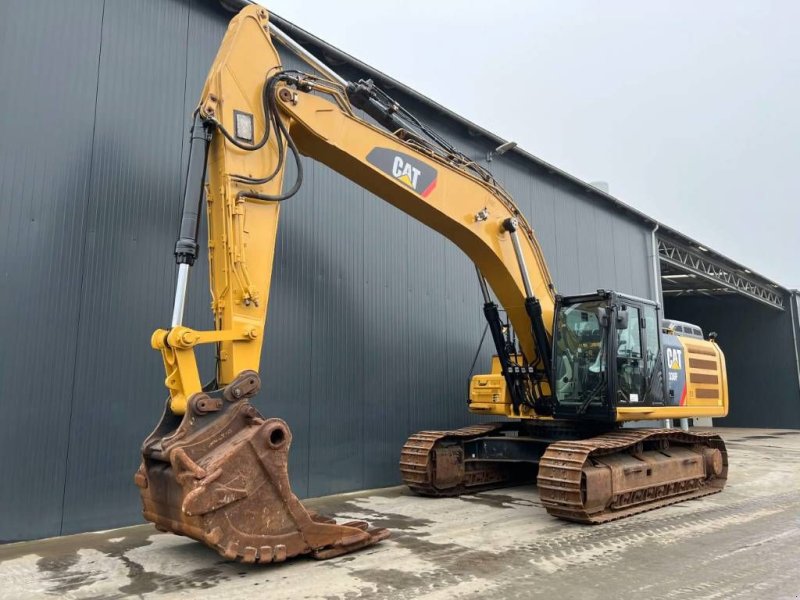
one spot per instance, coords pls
(582, 474)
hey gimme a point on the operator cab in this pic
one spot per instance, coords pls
(606, 354)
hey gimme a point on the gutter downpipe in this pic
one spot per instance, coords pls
(657, 295)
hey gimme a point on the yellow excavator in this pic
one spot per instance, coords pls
(567, 372)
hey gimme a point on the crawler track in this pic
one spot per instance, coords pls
(591, 480)
(432, 463)
(562, 479)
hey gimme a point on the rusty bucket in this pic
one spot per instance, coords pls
(218, 474)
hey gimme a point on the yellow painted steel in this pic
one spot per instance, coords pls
(332, 135)
(706, 389)
(489, 395)
(242, 230)
(706, 386)
(706, 377)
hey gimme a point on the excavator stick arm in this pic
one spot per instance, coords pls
(214, 469)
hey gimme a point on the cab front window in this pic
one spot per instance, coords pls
(580, 355)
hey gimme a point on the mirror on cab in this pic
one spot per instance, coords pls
(622, 318)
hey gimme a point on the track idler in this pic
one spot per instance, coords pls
(218, 474)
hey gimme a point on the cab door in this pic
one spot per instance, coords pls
(629, 357)
(655, 381)
(639, 368)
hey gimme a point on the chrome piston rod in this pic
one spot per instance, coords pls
(510, 225)
(183, 268)
(532, 304)
(180, 295)
(306, 56)
(484, 287)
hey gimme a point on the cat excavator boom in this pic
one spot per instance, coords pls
(566, 368)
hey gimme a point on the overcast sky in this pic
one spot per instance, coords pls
(690, 110)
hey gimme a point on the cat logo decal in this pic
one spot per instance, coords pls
(409, 171)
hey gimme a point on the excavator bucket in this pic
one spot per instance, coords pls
(218, 474)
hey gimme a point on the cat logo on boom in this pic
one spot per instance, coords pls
(406, 169)
(405, 172)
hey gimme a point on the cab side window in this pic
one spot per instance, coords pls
(629, 359)
(650, 338)
(630, 345)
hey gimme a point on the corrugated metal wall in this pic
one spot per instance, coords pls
(759, 353)
(374, 319)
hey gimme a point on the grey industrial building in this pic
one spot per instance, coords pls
(374, 319)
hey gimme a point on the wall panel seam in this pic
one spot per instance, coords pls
(83, 273)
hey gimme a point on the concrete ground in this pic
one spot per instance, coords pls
(742, 543)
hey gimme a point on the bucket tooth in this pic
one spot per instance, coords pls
(219, 474)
